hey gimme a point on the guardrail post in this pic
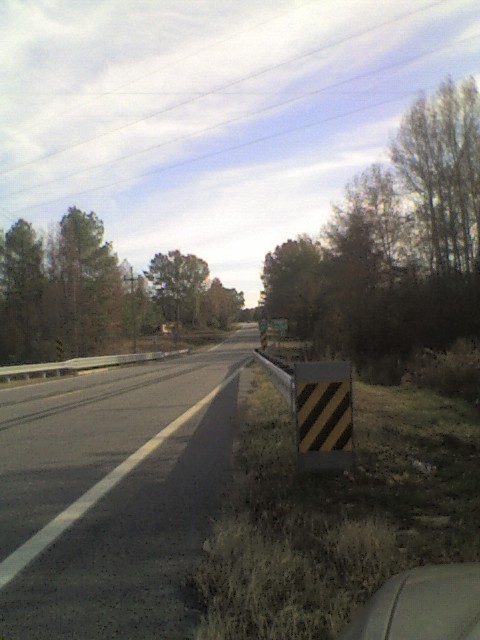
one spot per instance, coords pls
(324, 415)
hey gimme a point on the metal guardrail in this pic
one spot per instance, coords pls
(77, 364)
(280, 373)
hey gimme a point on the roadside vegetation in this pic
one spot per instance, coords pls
(294, 555)
(392, 282)
(67, 295)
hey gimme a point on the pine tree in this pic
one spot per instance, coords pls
(89, 284)
(23, 289)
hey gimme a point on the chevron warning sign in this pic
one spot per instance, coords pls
(263, 326)
(324, 415)
(59, 349)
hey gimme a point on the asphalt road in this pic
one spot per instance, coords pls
(107, 533)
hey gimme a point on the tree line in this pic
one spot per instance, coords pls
(65, 294)
(397, 267)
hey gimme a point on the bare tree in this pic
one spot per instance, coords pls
(436, 154)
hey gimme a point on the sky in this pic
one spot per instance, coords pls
(221, 128)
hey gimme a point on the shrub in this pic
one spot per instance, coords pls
(455, 373)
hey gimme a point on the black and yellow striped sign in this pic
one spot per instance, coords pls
(59, 349)
(324, 413)
(264, 340)
(263, 326)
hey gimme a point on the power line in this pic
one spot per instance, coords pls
(182, 93)
(233, 83)
(212, 154)
(252, 114)
(6, 215)
(186, 57)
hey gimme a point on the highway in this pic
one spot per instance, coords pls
(108, 485)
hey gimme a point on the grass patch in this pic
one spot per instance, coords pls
(195, 339)
(294, 555)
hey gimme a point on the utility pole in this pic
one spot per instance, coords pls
(131, 279)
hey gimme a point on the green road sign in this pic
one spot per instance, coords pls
(280, 325)
(263, 324)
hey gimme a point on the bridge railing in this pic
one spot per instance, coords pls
(78, 364)
(280, 373)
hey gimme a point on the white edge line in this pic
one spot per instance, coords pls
(27, 552)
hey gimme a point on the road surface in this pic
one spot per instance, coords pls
(108, 485)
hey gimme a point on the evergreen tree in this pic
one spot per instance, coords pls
(88, 278)
(178, 281)
(23, 288)
(292, 279)
(222, 306)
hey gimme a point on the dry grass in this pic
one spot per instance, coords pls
(294, 555)
(189, 338)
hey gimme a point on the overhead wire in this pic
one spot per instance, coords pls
(251, 76)
(186, 93)
(183, 58)
(212, 154)
(7, 215)
(230, 121)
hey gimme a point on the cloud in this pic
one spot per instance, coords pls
(119, 78)
(244, 212)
